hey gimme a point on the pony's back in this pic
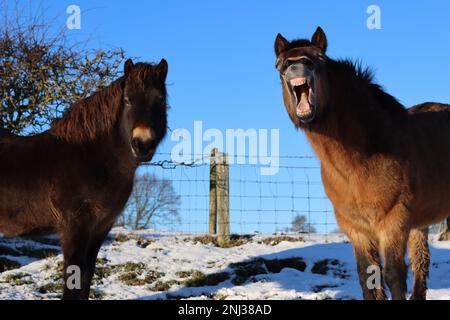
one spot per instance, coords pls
(429, 106)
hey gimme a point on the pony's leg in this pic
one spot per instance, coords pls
(94, 246)
(367, 255)
(419, 258)
(393, 248)
(74, 246)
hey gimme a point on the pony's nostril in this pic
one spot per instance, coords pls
(135, 144)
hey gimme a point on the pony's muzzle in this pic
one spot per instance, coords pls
(143, 143)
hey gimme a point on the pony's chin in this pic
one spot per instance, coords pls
(306, 117)
(143, 158)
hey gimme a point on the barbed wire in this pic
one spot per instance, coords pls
(208, 156)
(169, 164)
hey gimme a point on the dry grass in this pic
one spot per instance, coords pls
(18, 279)
(273, 241)
(193, 278)
(184, 274)
(235, 240)
(164, 285)
(199, 279)
(136, 274)
(140, 241)
(120, 237)
(52, 287)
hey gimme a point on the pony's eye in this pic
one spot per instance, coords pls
(306, 62)
(285, 65)
(288, 63)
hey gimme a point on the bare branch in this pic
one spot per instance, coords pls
(153, 201)
(42, 73)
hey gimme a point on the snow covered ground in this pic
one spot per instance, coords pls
(159, 265)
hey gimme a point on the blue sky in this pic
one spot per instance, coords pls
(221, 59)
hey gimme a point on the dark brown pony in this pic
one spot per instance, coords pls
(386, 169)
(76, 177)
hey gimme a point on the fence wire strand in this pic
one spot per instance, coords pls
(258, 203)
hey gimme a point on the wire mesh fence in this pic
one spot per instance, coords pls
(257, 203)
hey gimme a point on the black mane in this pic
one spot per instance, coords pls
(298, 43)
(364, 76)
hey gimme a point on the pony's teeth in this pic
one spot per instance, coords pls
(298, 82)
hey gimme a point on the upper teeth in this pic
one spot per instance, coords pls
(298, 82)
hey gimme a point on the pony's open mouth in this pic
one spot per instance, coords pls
(303, 98)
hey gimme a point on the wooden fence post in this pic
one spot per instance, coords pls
(223, 201)
(213, 192)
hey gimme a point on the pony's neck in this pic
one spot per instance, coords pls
(91, 118)
(95, 124)
(358, 121)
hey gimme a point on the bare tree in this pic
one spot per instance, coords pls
(300, 224)
(42, 72)
(153, 201)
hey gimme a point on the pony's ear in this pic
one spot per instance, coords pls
(162, 68)
(280, 44)
(319, 39)
(128, 65)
